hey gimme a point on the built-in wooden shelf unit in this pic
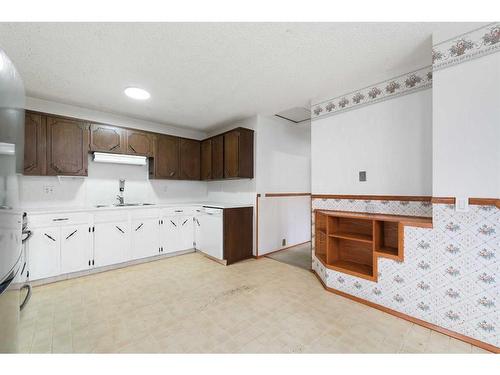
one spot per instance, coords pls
(351, 242)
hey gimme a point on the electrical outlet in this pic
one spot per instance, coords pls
(48, 189)
(362, 176)
(461, 204)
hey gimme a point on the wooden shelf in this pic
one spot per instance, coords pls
(393, 251)
(352, 242)
(353, 267)
(353, 236)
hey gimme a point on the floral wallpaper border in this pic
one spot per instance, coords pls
(450, 273)
(468, 46)
(391, 88)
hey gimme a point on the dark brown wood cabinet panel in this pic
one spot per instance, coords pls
(218, 157)
(35, 134)
(67, 147)
(238, 153)
(206, 159)
(189, 159)
(140, 143)
(105, 138)
(166, 158)
(238, 234)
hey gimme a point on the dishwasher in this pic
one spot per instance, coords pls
(209, 231)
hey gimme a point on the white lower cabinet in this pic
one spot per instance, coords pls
(145, 238)
(44, 253)
(76, 248)
(177, 233)
(111, 243)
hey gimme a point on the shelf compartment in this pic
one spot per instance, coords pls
(321, 239)
(349, 255)
(386, 234)
(351, 229)
(320, 221)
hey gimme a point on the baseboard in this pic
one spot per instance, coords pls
(409, 318)
(74, 275)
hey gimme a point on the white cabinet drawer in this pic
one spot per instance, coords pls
(147, 213)
(174, 211)
(45, 220)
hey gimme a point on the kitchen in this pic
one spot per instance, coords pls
(313, 212)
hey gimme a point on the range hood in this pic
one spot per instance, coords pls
(102, 157)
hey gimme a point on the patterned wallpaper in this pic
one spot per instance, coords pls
(450, 273)
(465, 47)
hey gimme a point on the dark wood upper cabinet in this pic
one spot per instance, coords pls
(218, 157)
(140, 143)
(206, 159)
(238, 153)
(35, 134)
(104, 138)
(67, 147)
(189, 159)
(166, 158)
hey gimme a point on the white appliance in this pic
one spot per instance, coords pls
(209, 231)
(101, 157)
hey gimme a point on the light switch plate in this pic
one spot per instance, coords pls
(461, 204)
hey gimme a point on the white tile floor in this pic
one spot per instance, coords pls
(192, 304)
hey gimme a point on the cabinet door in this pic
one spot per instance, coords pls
(206, 159)
(186, 232)
(189, 159)
(35, 133)
(139, 143)
(106, 138)
(111, 243)
(145, 238)
(166, 159)
(76, 248)
(218, 157)
(67, 147)
(44, 253)
(170, 234)
(231, 154)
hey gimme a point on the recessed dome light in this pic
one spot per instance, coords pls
(137, 93)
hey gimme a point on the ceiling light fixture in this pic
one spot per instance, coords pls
(137, 93)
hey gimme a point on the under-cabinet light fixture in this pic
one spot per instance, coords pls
(101, 157)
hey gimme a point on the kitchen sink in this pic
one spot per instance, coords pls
(124, 205)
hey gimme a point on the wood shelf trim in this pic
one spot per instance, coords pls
(353, 236)
(411, 319)
(374, 197)
(408, 220)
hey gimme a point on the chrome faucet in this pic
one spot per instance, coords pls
(120, 199)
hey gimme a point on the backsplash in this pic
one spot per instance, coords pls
(449, 276)
(101, 187)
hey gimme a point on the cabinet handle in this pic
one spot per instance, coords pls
(52, 238)
(172, 173)
(61, 219)
(173, 223)
(133, 149)
(120, 229)
(72, 234)
(185, 221)
(89, 262)
(197, 222)
(112, 148)
(139, 227)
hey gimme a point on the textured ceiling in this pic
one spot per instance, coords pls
(203, 75)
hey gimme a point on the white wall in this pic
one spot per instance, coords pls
(390, 140)
(283, 156)
(283, 218)
(466, 129)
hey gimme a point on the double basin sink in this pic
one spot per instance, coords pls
(124, 205)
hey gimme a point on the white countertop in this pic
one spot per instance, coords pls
(51, 210)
